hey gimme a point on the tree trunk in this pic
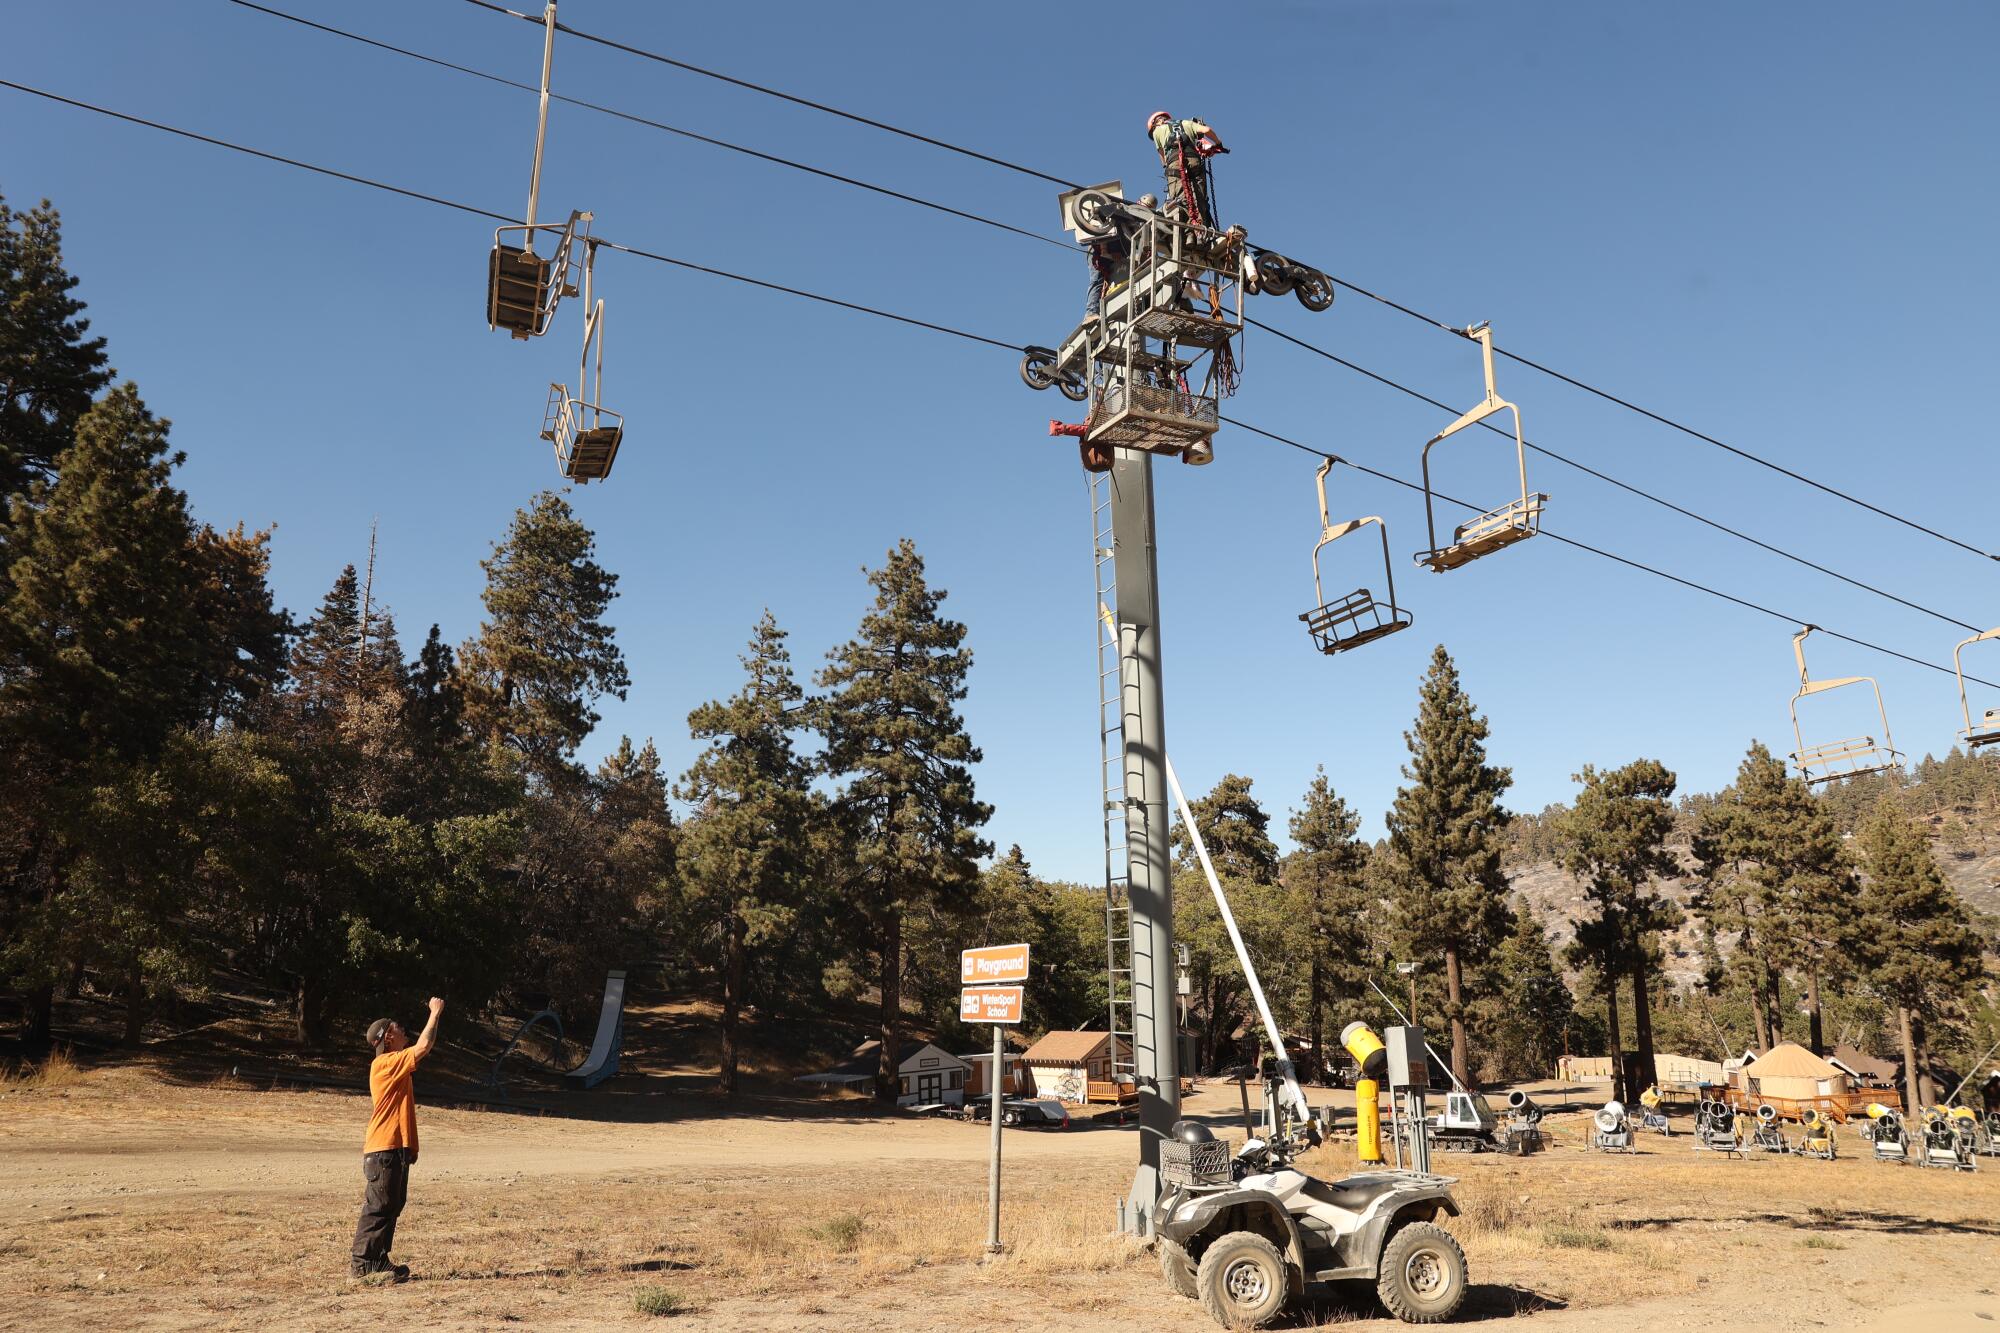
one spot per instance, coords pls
(1817, 1039)
(1774, 1004)
(1460, 1053)
(888, 1075)
(38, 1014)
(135, 1003)
(1618, 1089)
(732, 1003)
(1642, 1021)
(1315, 1022)
(1912, 1098)
(73, 989)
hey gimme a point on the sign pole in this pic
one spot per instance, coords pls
(993, 1171)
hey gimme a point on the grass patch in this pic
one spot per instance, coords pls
(1570, 1236)
(840, 1233)
(660, 1302)
(1821, 1243)
(57, 1071)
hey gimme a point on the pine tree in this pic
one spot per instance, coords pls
(1920, 949)
(544, 654)
(1775, 871)
(1530, 1005)
(49, 371)
(1327, 875)
(1235, 829)
(1446, 833)
(1614, 840)
(893, 736)
(103, 659)
(746, 852)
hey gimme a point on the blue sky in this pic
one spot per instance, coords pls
(1772, 222)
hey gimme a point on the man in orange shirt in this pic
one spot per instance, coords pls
(391, 1146)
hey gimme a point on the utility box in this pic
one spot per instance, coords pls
(1409, 1064)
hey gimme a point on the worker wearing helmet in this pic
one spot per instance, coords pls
(1184, 147)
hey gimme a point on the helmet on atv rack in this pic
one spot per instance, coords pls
(1155, 119)
(1192, 1131)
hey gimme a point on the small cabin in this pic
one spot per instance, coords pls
(1076, 1067)
(929, 1074)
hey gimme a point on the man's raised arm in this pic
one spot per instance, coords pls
(428, 1037)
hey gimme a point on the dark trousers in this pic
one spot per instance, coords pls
(388, 1177)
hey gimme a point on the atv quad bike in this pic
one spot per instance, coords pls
(1245, 1235)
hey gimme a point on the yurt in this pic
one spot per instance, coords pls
(1793, 1073)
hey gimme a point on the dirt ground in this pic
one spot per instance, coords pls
(131, 1200)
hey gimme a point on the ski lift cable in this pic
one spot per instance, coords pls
(650, 123)
(941, 328)
(1047, 240)
(643, 53)
(1605, 394)
(1627, 486)
(1669, 422)
(1600, 551)
(502, 217)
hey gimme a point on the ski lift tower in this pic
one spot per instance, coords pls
(1152, 369)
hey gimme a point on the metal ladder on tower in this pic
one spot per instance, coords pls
(1116, 699)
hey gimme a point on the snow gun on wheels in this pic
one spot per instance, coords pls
(1767, 1135)
(1244, 1232)
(1651, 1114)
(1522, 1133)
(1885, 1131)
(1159, 352)
(1816, 1138)
(1949, 1139)
(1610, 1129)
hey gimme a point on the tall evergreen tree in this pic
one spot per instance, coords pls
(1327, 875)
(49, 370)
(1235, 829)
(894, 737)
(1614, 839)
(1530, 1006)
(745, 855)
(104, 657)
(1775, 872)
(1446, 834)
(544, 655)
(1920, 949)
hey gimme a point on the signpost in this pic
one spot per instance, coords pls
(989, 998)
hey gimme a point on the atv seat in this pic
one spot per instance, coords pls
(1355, 1193)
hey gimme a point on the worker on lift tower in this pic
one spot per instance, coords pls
(1185, 147)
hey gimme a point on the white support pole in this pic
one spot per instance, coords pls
(1293, 1096)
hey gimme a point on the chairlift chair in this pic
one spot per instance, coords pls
(586, 434)
(1356, 618)
(1853, 757)
(1987, 730)
(1517, 520)
(522, 288)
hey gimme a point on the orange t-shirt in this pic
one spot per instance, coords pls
(393, 1123)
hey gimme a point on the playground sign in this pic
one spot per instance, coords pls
(987, 998)
(994, 964)
(990, 1004)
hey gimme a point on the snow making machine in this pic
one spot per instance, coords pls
(1715, 1127)
(1816, 1137)
(1885, 1132)
(1610, 1129)
(1766, 1133)
(1949, 1139)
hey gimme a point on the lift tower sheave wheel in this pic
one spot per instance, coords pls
(1356, 618)
(1987, 730)
(1856, 756)
(1512, 522)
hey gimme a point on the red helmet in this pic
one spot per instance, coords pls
(1155, 119)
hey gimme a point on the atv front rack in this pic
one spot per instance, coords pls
(1195, 1165)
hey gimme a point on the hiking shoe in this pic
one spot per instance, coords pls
(399, 1272)
(373, 1277)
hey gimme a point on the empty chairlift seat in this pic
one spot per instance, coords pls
(1357, 618)
(522, 288)
(1515, 521)
(1987, 729)
(1852, 757)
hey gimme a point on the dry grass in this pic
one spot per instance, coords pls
(56, 1072)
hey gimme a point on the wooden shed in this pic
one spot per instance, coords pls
(1075, 1067)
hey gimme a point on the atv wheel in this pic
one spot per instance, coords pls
(1422, 1278)
(1243, 1280)
(1314, 290)
(1177, 1268)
